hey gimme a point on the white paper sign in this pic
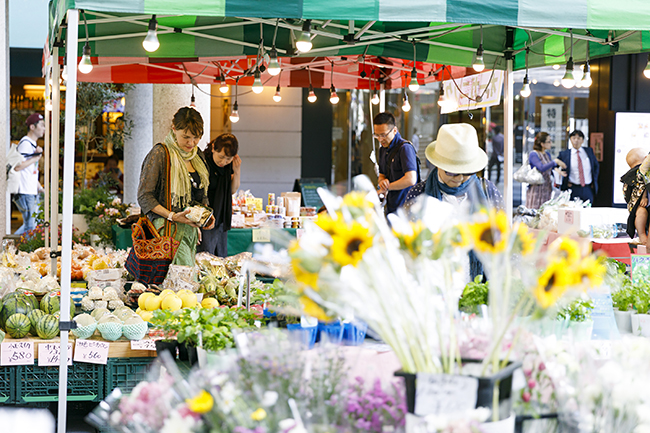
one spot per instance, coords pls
(90, 351)
(17, 353)
(50, 354)
(261, 235)
(259, 217)
(238, 220)
(143, 345)
(551, 122)
(444, 394)
(299, 233)
(486, 85)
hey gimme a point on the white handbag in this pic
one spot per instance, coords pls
(528, 174)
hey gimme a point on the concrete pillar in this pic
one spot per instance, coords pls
(139, 109)
(5, 123)
(168, 98)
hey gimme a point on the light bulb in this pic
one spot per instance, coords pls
(556, 83)
(334, 98)
(406, 107)
(478, 64)
(223, 87)
(274, 66)
(534, 80)
(234, 116)
(586, 77)
(525, 89)
(193, 101)
(646, 71)
(277, 97)
(151, 42)
(568, 81)
(85, 65)
(414, 86)
(257, 83)
(578, 84)
(312, 96)
(64, 73)
(442, 99)
(48, 104)
(303, 44)
(375, 99)
(556, 67)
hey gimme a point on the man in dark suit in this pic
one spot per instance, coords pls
(582, 169)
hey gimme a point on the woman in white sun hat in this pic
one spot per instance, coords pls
(457, 158)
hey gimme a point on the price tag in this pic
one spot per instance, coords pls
(261, 235)
(90, 351)
(444, 394)
(238, 220)
(17, 353)
(299, 233)
(50, 354)
(143, 345)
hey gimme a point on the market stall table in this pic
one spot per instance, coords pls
(241, 240)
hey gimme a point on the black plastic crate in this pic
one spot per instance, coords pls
(126, 373)
(7, 385)
(41, 384)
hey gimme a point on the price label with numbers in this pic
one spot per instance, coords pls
(50, 354)
(90, 351)
(438, 394)
(143, 345)
(17, 353)
(261, 235)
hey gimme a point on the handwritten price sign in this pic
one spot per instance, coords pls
(17, 353)
(143, 345)
(444, 394)
(90, 351)
(50, 354)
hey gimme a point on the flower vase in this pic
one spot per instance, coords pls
(187, 353)
(634, 320)
(644, 324)
(503, 426)
(581, 331)
(169, 345)
(623, 321)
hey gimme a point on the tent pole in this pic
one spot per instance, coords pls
(54, 168)
(68, 186)
(382, 97)
(48, 154)
(508, 129)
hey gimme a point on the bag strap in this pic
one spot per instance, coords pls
(168, 198)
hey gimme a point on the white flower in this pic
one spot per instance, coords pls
(219, 379)
(289, 425)
(115, 417)
(269, 399)
(177, 424)
(116, 201)
(228, 395)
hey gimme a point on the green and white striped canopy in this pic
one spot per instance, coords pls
(442, 32)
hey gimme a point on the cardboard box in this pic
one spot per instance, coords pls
(572, 220)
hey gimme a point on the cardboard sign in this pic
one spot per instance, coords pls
(261, 235)
(444, 394)
(640, 270)
(17, 353)
(50, 354)
(143, 345)
(90, 351)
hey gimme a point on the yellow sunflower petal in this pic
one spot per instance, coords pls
(258, 415)
(349, 242)
(201, 403)
(565, 248)
(553, 282)
(490, 236)
(312, 309)
(525, 240)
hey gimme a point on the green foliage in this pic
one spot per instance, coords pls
(623, 299)
(641, 296)
(577, 311)
(474, 294)
(214, 327)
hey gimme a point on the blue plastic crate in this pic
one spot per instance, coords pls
(332, 331)
(41, 384)
(306, 334)
(354, 333)
(7, 385)
(126, 373)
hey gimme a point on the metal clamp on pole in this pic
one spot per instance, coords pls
(67, 326)
(55, 254)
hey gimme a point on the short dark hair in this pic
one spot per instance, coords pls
(187, 118)
(496, 130)
(227, 142)
(539, 140)
(384, 118)
(578, 133)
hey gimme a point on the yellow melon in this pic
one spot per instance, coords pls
(143, 297)
(209, 303)
(172, 303)
(152, 303)
(188, 299)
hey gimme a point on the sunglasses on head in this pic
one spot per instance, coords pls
(450, 174)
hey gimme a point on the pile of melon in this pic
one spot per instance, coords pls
(22, 314)
(111, 326)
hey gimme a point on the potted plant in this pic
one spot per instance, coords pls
(623, 300)
(640, 319)
(578, 316)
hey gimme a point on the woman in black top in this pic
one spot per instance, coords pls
(224, 169)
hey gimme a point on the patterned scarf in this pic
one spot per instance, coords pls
(181, 186)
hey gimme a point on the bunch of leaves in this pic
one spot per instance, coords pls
(35, 239)
(641, 296)
(623, 298)
(578, 310)
(85, 200)
(104, 218)
(474, 294)
(213, 327)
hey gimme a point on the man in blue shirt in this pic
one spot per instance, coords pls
(398, 162)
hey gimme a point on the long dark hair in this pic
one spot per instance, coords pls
(539, 140)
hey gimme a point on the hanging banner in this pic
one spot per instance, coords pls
(476, 91)
(552, 123)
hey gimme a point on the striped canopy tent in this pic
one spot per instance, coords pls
(204, 37)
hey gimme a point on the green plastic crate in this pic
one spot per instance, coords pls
(126, 373)
(41, 384)
(7, 385)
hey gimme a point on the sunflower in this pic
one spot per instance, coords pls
(553, 282)
(591, 269)
(309, 279)
(312, 309)
(566, 249)
(460, 236)
(525, 242)
(412, 241)
(349, 243)
(490, 236)
(358, 200)
(200, 403)
(325, 222)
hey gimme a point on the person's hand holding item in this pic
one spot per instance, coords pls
(560, 163)
(644, 200)
(236, 164)
(181, 217)
(383, 186)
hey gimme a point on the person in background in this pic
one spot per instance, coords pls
(581, 169)
(415, 140)
(399, 168)
(496, 157)
(187, 174)
(541, 159)
(224, 166)
(636, 195)
(457, 158)
(26, 199)
(112, 175)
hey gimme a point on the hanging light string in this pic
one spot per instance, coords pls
(480, 97)
(83, 12)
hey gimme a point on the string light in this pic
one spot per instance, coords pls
(151, 42)
(223, 87)
(274, 65)
(525, 89)
(303, 44)
(479, 64)
(234, 115)
(442, 99)
(277, 97)
(85, 65)
(414, 86)
(406, 107)
(312, 96)
(257, 82)
(646, 71)
(334, 97)
(568, 81)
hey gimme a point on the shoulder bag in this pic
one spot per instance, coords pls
(528, 174)
(151, 254)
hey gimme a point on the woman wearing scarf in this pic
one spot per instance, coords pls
(457, 158)
(187, 174)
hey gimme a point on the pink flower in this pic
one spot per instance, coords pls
(532, 383)
(541, 366)
(525, 396)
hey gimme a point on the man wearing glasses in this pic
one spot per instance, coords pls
(399, 168)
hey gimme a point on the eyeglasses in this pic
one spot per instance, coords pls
(458, 174)
(384, 135)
